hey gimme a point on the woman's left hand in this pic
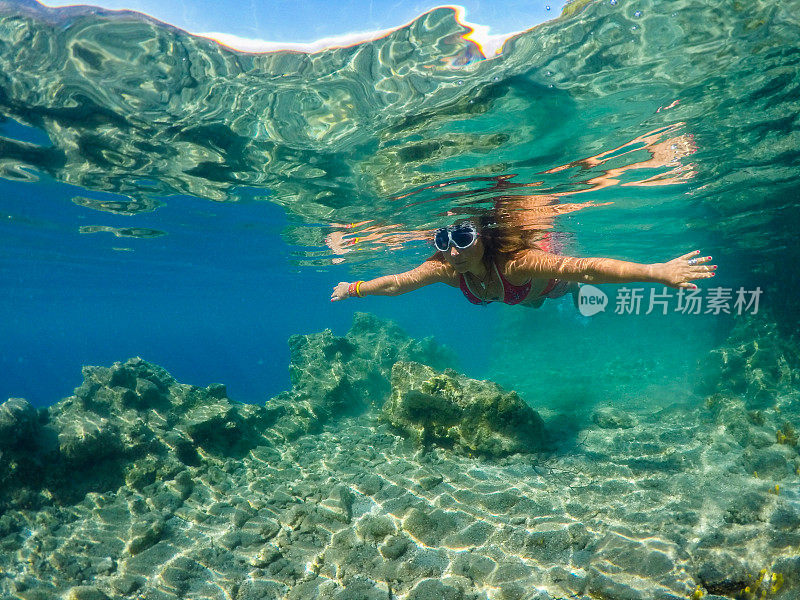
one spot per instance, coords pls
(679, 272)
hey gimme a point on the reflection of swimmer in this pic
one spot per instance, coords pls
(663, 153)
(389, 235)
(529, 214)
(490, 263)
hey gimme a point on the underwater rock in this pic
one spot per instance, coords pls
(22, 451)
(430, 527)
(755, 362)
(786, 517)
(434, 589)
(19, 422)
(613, 418)
(773, 463)
(470, 416)
(352, 372)
(789, 570)
(745, 509)
(376, 528)
(428, 482)
(394, 547)
(86, 592)
(133, 424)
(339, 504)
(218, 427)
(126, 584)
(344, 376)
(88, 438)
(720, 572)
(254, 589)
(766, 438)
(135, 384)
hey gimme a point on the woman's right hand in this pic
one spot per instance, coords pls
(340, 291)
(679, 272)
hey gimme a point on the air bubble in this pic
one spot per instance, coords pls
(547, 7)
(637, 14)
(460, 82)
(548, 73)
(612, 2)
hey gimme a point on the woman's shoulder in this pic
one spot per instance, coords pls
(517, 267)
(440, 270)
(509, 262)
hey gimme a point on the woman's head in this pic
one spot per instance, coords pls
(478, 238)
(459, 244)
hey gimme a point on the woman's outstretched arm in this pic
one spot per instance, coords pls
(677, 273)
(431, 271)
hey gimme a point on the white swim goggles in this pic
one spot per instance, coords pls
(461, 236)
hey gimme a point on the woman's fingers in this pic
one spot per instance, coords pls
(689, 255)
(699, 259)
(693, 259)
(704, 271)
(696, 271)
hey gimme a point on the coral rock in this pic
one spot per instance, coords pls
(344, 376)
(450, 410)
(19, 421)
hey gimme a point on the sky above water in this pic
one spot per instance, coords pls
(290, 21)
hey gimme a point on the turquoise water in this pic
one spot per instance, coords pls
(241, 165)
(163, 196)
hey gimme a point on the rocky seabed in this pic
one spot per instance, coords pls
(379, 477)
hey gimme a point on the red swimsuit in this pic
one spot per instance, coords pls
(512, 294)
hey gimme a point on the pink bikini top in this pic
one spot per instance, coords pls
(512, 294)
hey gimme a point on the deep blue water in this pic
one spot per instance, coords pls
(214, 301)
(232, 171)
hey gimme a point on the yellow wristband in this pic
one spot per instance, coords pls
(358, 289)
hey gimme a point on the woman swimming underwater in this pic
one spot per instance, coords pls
(475, 256)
